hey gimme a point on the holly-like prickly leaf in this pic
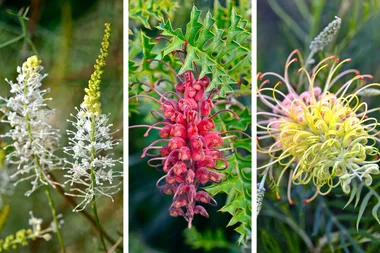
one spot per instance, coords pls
(239, 174)
(222, 53)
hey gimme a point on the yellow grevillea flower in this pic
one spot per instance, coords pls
(91, 100)
(321, 137)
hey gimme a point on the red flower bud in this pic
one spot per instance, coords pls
(196, 142)
(215, 177)
(176, 142)
(206, 106)
(201, 210)
(178, 130)
(192, 130)
(202, 174)
(168, 109)
(184, 153)
(180, 87)
(205, 81)
(176, 212)
(165, 131)
(179, 168)
(190, 176)
(164, 151)
(208, 162)
(199, 95)
(213, 139)
(190, 92)
(197, 155)
(189, 77)
(202, 196)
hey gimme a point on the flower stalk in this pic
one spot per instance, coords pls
(88, 144)
(93, 202)
(33, 138)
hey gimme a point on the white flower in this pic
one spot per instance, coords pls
(34, 140)
(87, 148)
(38, 232)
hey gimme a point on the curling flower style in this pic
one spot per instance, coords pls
(321, 136)
(191, 150)
(33, 139)
(91, 139)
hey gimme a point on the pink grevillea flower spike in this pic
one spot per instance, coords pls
(190, 150)
(322, 135)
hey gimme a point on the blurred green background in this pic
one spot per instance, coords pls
(282, 27)
(67, 36)
(151, 228)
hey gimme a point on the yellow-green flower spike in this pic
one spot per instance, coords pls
(91, 100)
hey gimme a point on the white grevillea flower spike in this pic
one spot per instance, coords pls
(33, 140)
(91, 173)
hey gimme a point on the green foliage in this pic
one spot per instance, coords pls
(218, 52)
(238, 178)
(270, 243)
(143, 48)
(147, 12)
(355, 14)
(208, 240)
(356, 194)
(22, 17)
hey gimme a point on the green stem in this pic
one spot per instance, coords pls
(93, 203)
(25, 34)
(52, 207)
(12, 41)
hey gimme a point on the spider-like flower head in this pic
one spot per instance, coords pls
(33, 140)
(91, 172)
(321, 136)
(190, 150)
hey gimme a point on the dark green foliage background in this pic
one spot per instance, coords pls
(67, 35)
(279, 224)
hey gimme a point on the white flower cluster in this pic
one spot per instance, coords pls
(33, 140)
(88, 146)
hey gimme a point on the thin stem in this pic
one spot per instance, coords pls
(84, 213)
(53, 212)
(93, 202)
(25, 35)
(11, 41)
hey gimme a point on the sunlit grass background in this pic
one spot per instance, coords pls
(67, 36)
